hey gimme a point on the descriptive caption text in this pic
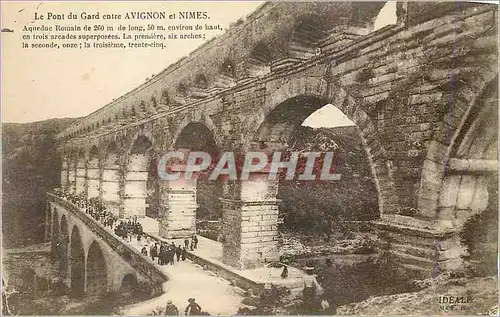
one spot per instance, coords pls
(130, 30)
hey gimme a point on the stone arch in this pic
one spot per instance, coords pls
(164, 99)
(96, 271)
(129, 284)
(201, 81)
(77, 263)
(111, 152)
(388, 15)
(307, 31)
(261, 54)
(182, 90)
(203, 120)
(196, 136)
(319, 92)
(28, 280)
(154, 103)
(473, 162)
(260, 60)
(64, 245)
(467, 102)
(228, 68)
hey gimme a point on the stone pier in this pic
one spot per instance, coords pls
(178, 202)
(110, 185)
(250, 223)
(136, 176)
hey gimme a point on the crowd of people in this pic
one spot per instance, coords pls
(94, 207)
(131, 228)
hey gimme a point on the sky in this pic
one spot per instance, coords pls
(39, 84)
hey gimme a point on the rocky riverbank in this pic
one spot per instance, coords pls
(447, 296)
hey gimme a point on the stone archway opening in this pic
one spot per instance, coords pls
(136, 176)
(196, 200)
(306, 34)
(129, 285)
(321, 206)
(63, 265)
(252, 215)
(386, 16)
(97, 276)
(77, 263)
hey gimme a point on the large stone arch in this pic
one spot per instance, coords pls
(196, 118)
(324, 92)
(64, 245)
(185, 199)
(466, 101)
(96, 270)
(129, 284)
(77, 263)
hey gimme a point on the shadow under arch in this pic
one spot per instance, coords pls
(129, 284)
(97, 274)
(77, 262)
(64, 246)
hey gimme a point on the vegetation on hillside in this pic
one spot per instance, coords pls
(30, 168)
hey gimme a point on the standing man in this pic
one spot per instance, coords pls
(153, 251)
(195, 240)
(193, 308)
(171, 309)
(178, 253)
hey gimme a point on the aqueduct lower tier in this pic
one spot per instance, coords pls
(423, 94)
(92, 260)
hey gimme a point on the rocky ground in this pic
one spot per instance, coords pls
(296, 246)
(482, 291)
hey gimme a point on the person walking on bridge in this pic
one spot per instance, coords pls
(153, 251)
(195, 241)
